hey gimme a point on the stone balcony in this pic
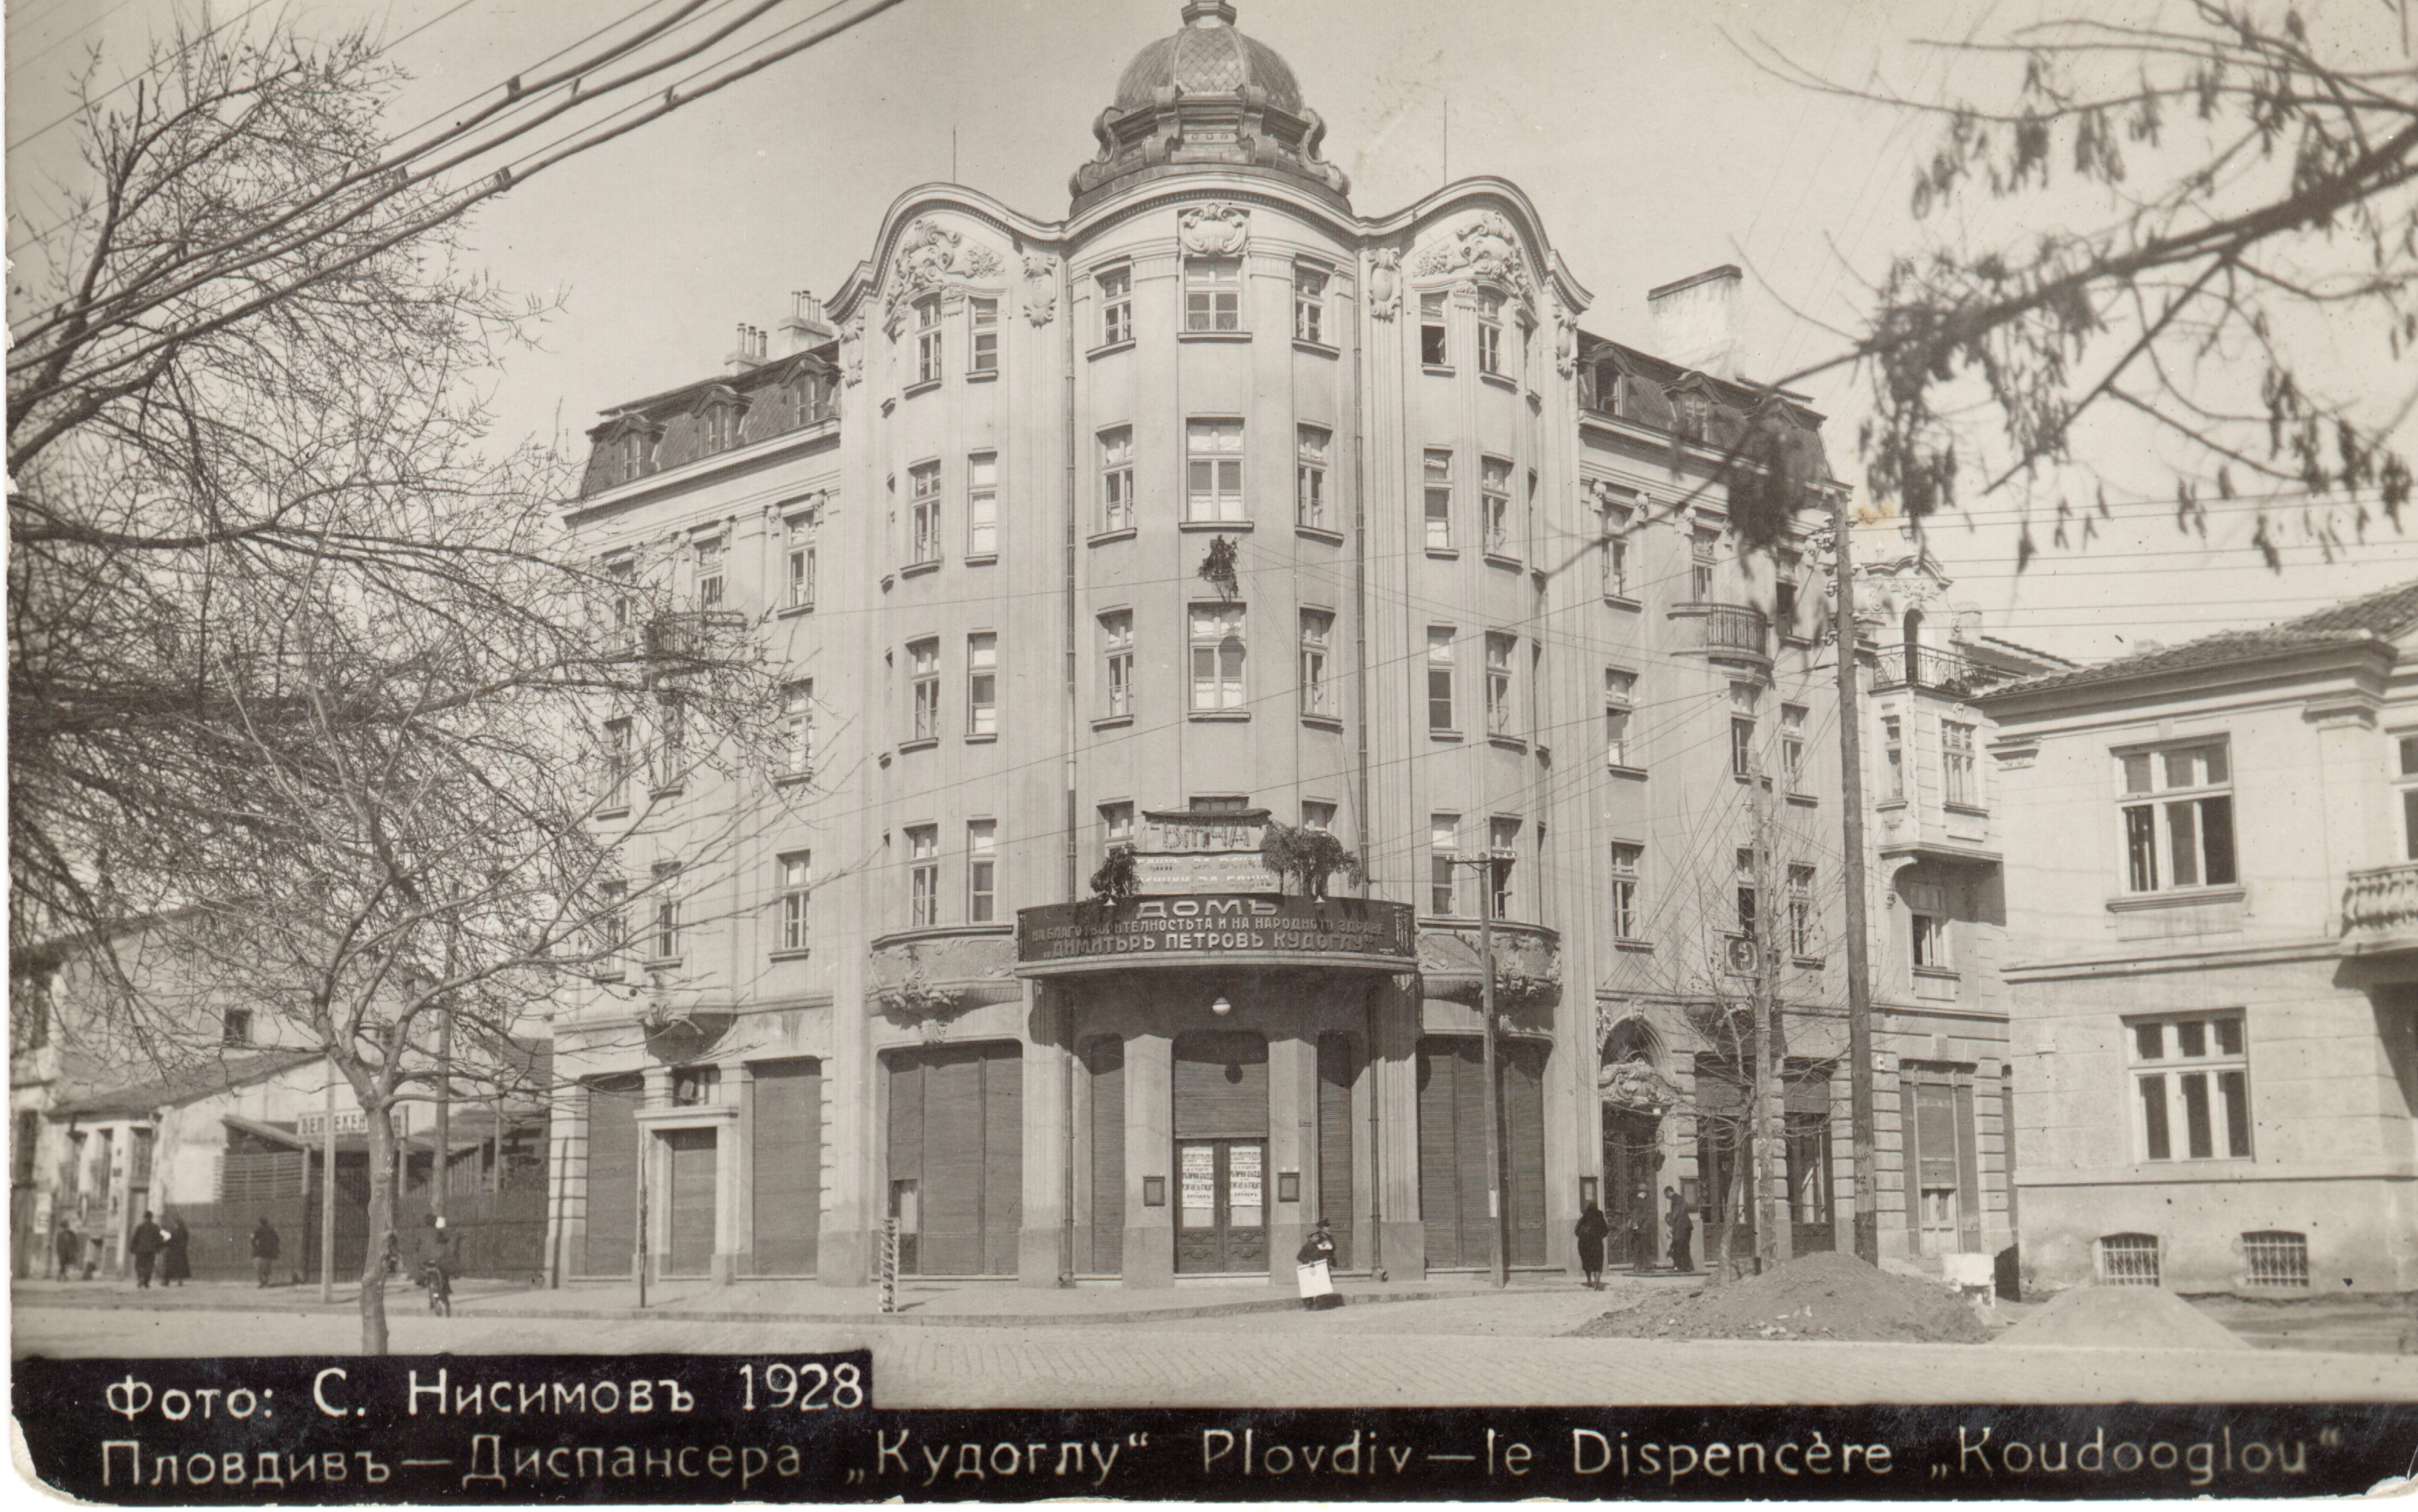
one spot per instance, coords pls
(2381, 909)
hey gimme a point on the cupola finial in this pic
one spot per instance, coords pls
(1197, 11)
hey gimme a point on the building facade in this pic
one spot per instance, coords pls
(2215, 965)
(1213, 506)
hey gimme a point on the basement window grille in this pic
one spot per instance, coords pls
(2128, 1260)
(2277, 1258)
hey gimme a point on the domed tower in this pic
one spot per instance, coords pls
(1206, 96)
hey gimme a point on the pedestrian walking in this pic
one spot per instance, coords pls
(1640, 1232)
(68, 1245)
(1683, 1229)
(175, 1255)
(1592, 1227)
(1314, 1268)
(145, 1244)
(264, 1248)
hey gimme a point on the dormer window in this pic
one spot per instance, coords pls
(721, 426)
(635, 454)
(809, 397)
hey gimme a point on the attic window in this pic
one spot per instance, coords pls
(635, 454)
(721, 419)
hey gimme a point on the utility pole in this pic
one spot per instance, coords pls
(327, 1193)
(1851, 802)
(1498, 1251)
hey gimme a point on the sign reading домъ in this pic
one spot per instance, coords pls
(1354, 931)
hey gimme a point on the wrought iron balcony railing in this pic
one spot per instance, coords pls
(1939, 671)
(1720, 630)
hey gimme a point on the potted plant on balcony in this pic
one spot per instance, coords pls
(1312, 855)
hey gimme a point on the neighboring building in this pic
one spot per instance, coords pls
(1211, 505)
(2213, 868)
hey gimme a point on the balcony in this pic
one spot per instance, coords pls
(1941, 672)
(1722, 632)
(2380, 911)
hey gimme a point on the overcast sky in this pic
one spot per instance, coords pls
(1650, 140)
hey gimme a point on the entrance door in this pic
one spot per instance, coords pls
(689, 1200)
(1221, 1224)
(1630, 1158)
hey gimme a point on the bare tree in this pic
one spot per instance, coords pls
(2219, 241)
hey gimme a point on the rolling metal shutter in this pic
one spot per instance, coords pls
(689, 1172)
(1523, 1065)
(788, 1134)
(1452, 1151)
(1221, 1084)
(1103, 1060)
(1003, 1189)
(956, 1128)
(612, 1176)
(1338, 1066)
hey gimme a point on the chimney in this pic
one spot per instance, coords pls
(1697, 322)
(805, 329)
(752, 348)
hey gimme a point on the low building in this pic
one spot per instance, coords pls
(2212, 881)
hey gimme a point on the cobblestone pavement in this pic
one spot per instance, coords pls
(1465, 1351)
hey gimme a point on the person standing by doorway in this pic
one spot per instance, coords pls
(1593, 1228)
(1639, 1235)
(145, 1244)
(1683, 1230)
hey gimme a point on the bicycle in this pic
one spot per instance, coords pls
(440, 1289)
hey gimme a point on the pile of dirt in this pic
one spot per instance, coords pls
(2123, 1317)
(1823, 1295)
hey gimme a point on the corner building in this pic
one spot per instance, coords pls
(1214, 503)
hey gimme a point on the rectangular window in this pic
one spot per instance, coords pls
(799, 591)
(1500, 651)
(1116, 306)
(1317, 629)
(798, 727)
(1792, 746)
(1495, 503)
(720, 427)
(797, 872)
(1956, 754)
(1217, 639)
(1432, 347)
(1490, 334)
(2182, 834)
(621, 592)
(1628, 913)
(1116, 826)
(1438, 468)
(1310, 479)
(1619, 704)
(923, 670)
(1928, 947)
(1700, 564)
(1894, 759)
(1444, 852)
(1212, 479)
(984, 318)
(1116, 479)
(982, 871)
(1317, 816)
(1213, 294)
(1502, 854)
(1741, 745)
(927, 340)
(1117, 656)
(1746, 892)
(671, 743)
(1440, 678)
(981, 685)
(924, 505)
(618, 763)
(1801, 912)
(609, 928)
(1786, 569)
(667, 918)
(1613, 525)
(923, 875)
(709, 572)
(235, 1027)
(1309, 304)
(982, 504)
(2195, 1104)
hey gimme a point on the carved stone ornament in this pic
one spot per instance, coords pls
(851, 351)
(1486, 248)
(1566, 343)
(931, 255)
(1385, 282)
(1636, 1087)
(1213, 230)
(1040, 289)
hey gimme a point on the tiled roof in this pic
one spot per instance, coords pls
(184, 1086)
(2378, 616)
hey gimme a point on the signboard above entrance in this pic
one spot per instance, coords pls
(1202, 850)
(1241, 928)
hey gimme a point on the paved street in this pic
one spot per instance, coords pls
(1472, 1349)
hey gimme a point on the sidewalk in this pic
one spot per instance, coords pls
(952, 1304)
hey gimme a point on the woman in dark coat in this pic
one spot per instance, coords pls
(1683, 1229)
(176, 1255)
(1640, 1232)
(1591, 1231)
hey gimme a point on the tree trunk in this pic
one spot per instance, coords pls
(379, 1121)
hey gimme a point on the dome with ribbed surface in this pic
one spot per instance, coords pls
(1207, 57)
